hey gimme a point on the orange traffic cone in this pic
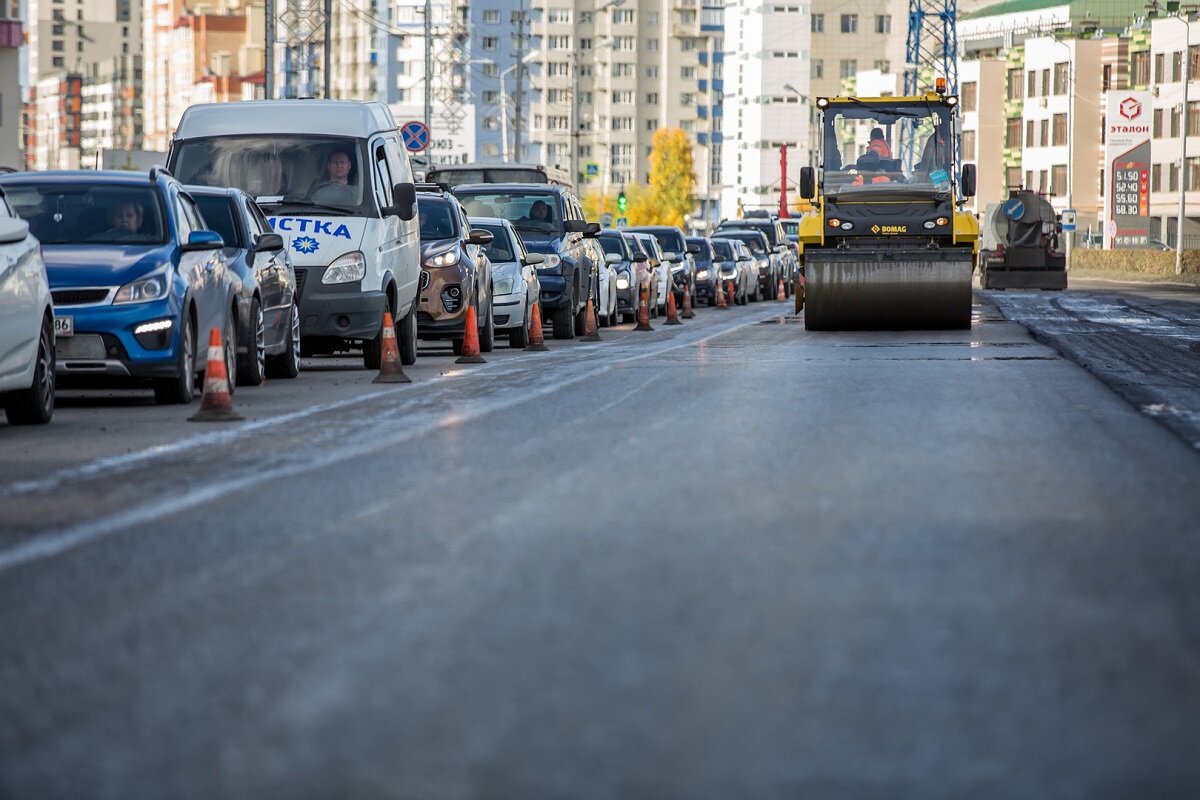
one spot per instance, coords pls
(643, 312)
(672, 315)
(780, 295)
(390, 370)
(591, 328)
(687, 305)
(470, 348)
(732, 292)
(537, 342)
(216, 404)
(721, 297)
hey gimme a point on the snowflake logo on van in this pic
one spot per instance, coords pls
(305, 244)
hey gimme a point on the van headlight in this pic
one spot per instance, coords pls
(346, 269)
(143, 290)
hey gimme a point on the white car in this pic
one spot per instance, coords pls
(662, 270)
(606, 304)
(515, 286)
(26, 325)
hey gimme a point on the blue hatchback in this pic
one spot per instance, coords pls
(136, 277)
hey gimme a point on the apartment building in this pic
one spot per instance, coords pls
(767, 53)
(980, 81)
(848, 38)
(607, 76)
(111, 117)
(1173, 45)
(12, 38)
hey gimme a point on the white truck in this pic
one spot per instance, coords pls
(336, 183)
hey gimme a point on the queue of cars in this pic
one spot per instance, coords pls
(292, 227)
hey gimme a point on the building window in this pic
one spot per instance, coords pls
(849, 23)
(1060, 130)
(623, 16)
(56, 45)
(1173, 178)
(1062, 78)
(585, 43)
(687, 99)
(817, 68)
(491, 98)
(848, 68)
(1014, 84)
(490, 149)
(1106, 81)
(1160, 67)
(883, 23)
(491, 70)
(1193, 61)
(1177, 66)
(818, 23)
(883, 66)
(1140, 68)
(651, 72)
(57, 30)
(622, 70)
(491, 16)
(624, 43)
(652, 99)
(1030, 177)
(968, 144)
(1029, 142)
(58, 61)
(1031, 89)
(1193, 173)
(687, 45)
(1157, 129)
(559, 16)
(651, 124)
(557, 69)
(1193, 119)
(556, 96)
(969, 95)
(1012, 177)
(652, 45)
(491, 123)
(491, 43)
(1175, 119)
(622, 123)
(558, 123)
(558, 42)
(1156, 177)
(1044, 133)
(1012, 136)
(1058, 180)
(687, 73)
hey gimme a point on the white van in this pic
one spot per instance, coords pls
(335, 182)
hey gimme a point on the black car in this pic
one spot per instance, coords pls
(706, 273)
(678, 253)
(760, 249)
(455, 272)
(268, 306)
(616, 244)
(549, 221)
(783, 264)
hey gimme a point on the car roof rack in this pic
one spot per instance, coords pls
(436, 188)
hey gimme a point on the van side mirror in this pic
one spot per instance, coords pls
(268, 243)
(694, 249)
(405, 198)
(968, 180)
(808, 183)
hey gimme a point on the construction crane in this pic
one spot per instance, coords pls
(932, 48)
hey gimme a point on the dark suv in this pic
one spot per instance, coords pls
(706, 273)
(678, 254)
(783, 262)
(549, 221)
(455, 273)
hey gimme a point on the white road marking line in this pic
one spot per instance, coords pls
(43, 547)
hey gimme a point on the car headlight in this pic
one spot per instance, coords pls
(728, 275)
(503, 285)
(678, 268)
(346, 269)
(623, 282)
(143, 290)
(446, 259)
(552, 261)
(701, 274)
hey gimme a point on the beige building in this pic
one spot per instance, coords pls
(983, 125)
(12, 37)
(851, 37)
(64, 37)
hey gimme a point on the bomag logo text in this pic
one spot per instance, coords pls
(889, 229)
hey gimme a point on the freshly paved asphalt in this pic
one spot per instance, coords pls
(728, 559)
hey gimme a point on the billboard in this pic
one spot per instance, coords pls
(1127, 170)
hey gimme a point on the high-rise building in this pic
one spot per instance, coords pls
(112, 108)
(12, 37)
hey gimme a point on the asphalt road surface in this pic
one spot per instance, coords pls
(724, 560)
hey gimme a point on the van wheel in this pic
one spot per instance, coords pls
(373, 350)
(406, 337)
(35, 405)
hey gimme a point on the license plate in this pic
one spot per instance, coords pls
(64, 326)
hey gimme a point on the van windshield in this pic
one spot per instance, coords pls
(530, 212)
(320, 175)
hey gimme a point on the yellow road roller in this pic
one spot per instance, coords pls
(887, 246)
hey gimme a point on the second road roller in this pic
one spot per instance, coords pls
(888, 246)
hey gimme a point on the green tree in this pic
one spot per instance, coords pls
(668, 198)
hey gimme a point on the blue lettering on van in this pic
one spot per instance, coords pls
(309, 226)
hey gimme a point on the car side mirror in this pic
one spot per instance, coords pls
(744, 258)
(640, 258)
(808, 183)
(480, 237)
(575, 226)
(202, 240)
(694, 249)
(592, 230)
(268, 243)
(533, 258)
(968, 180)
(612, 258)
(13, 230)
(404, 195)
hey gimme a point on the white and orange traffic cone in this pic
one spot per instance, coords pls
(537, 340)
(687, 305)
(591, 329)
(470, 348)
(780, 295)
(216, 403)
(390, 370)
(643, 312)
(721, 296)
(672, 314)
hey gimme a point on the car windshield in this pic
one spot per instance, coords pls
(60, 213)
(670, 241)
(536, 212)
(218, 214)
(791, 227)
(613, 244)
(889, 149)
(320, 175)
(764, 227)
(722, 251)
(437, 219)
(705, 254)
(501, 249)
(752, 241)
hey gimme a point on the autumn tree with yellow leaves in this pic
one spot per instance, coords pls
(667, 199)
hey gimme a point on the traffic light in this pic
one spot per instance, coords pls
(621, 202)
